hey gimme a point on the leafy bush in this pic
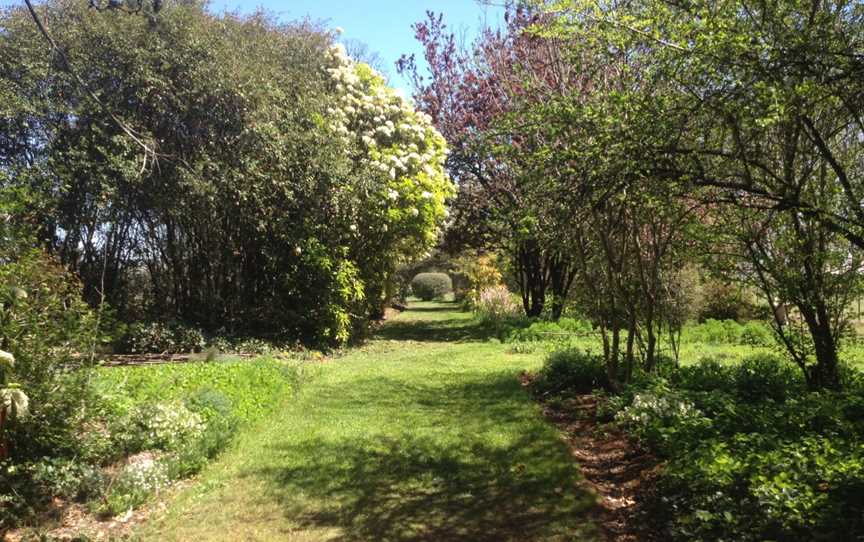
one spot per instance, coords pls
(68, 478)
(661, 417)
(766, 377)
(157, 338)
(571, 370)
(752, 456)
(480, 272)
(756, 333)
(707, 374)
(429, 286)
(753, 333)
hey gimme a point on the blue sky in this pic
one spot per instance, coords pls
(383, 25)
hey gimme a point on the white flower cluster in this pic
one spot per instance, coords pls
(169, 425)
(393, 138)
(6, 358)
(145, 476)
(649, 408)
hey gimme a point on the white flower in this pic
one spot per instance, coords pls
(7, 358)
(414, 211)
(353, 227)
(384, 228)
(15, 401)
(426, 194)
(393, 194)
(298, 251)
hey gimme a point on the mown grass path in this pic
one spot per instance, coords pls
(424, 434)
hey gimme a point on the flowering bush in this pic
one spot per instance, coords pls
(496, 305)
(658, 417)
(143, 476)
(401, 151)
(161, 426)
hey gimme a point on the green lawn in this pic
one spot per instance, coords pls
(423, 434)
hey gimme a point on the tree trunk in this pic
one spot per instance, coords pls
(825, 374)
(532, 276)
(4, 450)
(629, 356)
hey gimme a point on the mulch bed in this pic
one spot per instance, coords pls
(615, 469)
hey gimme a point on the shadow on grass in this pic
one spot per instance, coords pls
(452, 326)
(498, 474)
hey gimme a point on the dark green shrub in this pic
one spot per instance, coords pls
(429, 286)
(707, 374)
(571, 370)
(71, 479)
(158, 338)
(765, 376)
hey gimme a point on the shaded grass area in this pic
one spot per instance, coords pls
(421, 439)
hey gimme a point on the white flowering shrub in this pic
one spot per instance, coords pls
(161, 426)
(398, 150)
(136, 483)
(657, 418)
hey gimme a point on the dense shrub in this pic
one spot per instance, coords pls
(157, 338)
(51, 334)
(754, 333)
(480, 271)
(571, 370)
(429, 286)
(660, 418)
(707, 374)
(763, 377)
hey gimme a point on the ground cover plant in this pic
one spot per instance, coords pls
(149, 426)
(749, 454)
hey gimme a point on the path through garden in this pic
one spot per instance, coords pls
(424, 434)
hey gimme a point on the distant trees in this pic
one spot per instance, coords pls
(631, 140)
(284, 183)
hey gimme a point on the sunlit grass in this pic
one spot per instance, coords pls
(425, 434)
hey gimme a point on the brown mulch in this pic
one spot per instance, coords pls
(615, 469)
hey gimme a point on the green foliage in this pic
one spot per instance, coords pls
(429, 286)
(70, 479)
(135, 484)
(762, 377)
(297, 178)
(751, 455)
(712, 331)
(543, 330)
(157, 338)
(661, 418)
(480, 271)
(571, 370)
